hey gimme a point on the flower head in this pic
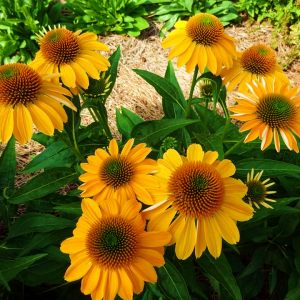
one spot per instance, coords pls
(206, 89)
(97, 88)
(269, 109)
(257, 191)
(257, 62)
(111, 251)
(202, 41)
(200, 192)
(169, 143)
(72, 54)
(127, 173)
(27, 97)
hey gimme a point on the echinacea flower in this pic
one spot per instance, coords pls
(112, 252)
(257, 62)
(202, 202)
(201, 40)
(97, 88)
(26, 98)
(269, 109)
(127, 173)
(257, 190)
(72, 54)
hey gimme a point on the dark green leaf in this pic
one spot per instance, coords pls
(55, 12)
(56, 155)
(220, 269)
(43, 184)
(11, 268)
(154, 131)
(272, 168)
(4, 282)
(134, 118)
(211, 142)
(171, 282)
(71, 208)
(35, 222)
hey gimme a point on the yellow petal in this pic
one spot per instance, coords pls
(200, 239)
(126, 287)
(212, 237)
(40, 119)
(91, 209)
(24, 122)
(90, 280)
(6, 124)
(186, 243)
(68, 76)
(78, 269)
(195, 153)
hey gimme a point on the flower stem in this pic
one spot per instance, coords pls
(228, 121)
(236, 145)
(189, 104)
(205, 115)
(102, 120)
(74, 148)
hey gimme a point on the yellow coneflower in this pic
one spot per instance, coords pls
(72, 54)
(202, 41)
(257, 62)
(269, 109)
(112, 252)
(27, 97)
(97, 88)
(202, 201)
(125, 173)
(257, 191)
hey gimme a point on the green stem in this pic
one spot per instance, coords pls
(236, 145)
(92, 114)
(104, 124)
(74, 148)
(205, 116)
(189, 104)
(228, 121)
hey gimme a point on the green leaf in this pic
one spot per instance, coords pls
(35, 222)
(220, 269)
(171, 282)
(44, 239)
(154, 131)
(71, 208)
(172, 110)
(134, 118)
(43, 184)
(266, 213)
(56, 155)
(124, 125)
(165, 88)
(11, 268)
(294, 294)
(188, 4)
(211, 142)
(113, 70)
(55, 12)
(8, 167)
(3, 281)
(272, 168)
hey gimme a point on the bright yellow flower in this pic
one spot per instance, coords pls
(257, 191)
(71, 54)
(268, 110)
(125, 173)
(112, 252)
(257, 62)
(27, 97)
(203, 197)
(202, 41)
